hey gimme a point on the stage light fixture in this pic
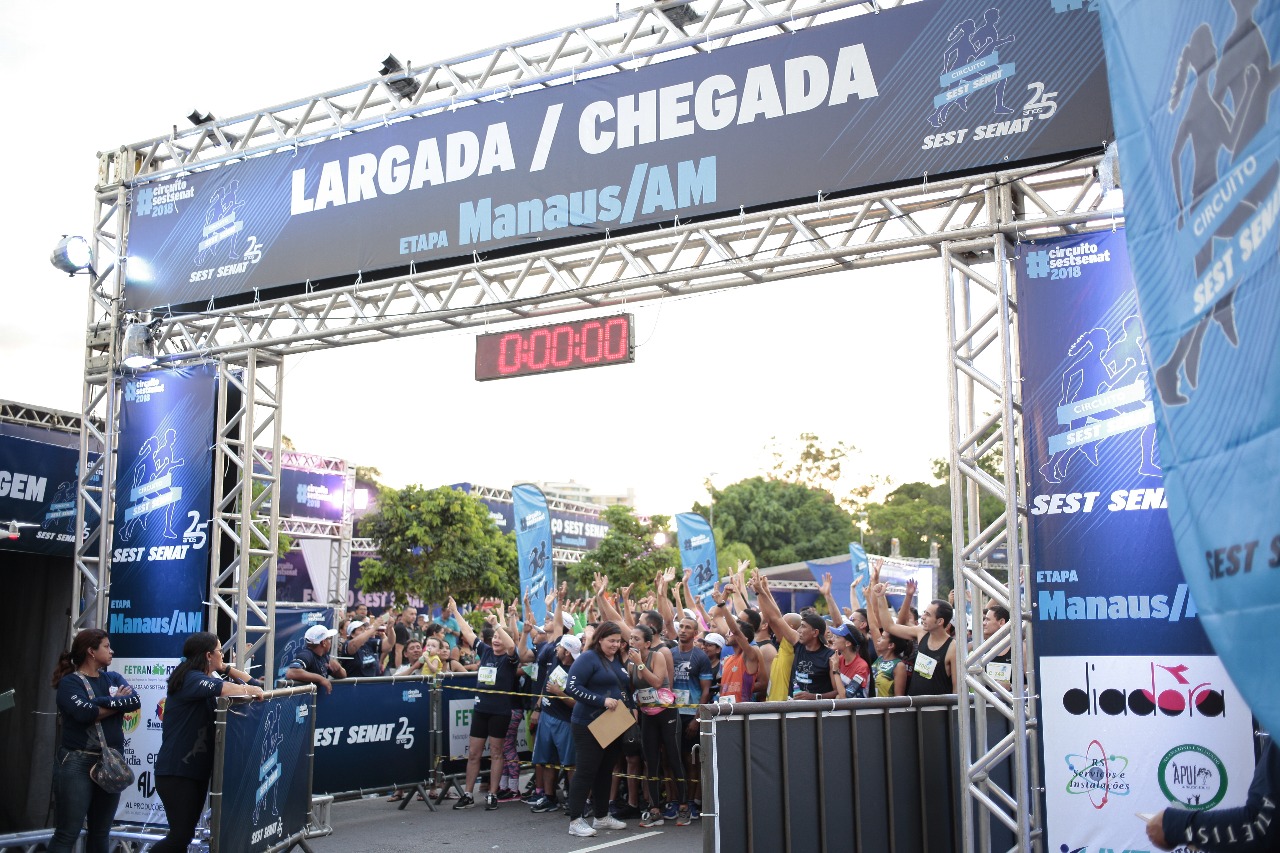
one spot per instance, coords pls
(197, 118)
(72, 254)
(405, 87)
(13, 530)
(138, 351)
(682, 16)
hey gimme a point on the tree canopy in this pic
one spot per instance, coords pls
(628, 553)
(780, 521)
(433, 543)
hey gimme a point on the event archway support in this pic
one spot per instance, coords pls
(973, 224)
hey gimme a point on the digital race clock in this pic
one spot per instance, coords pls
(561, 346)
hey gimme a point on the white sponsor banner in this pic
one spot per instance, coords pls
(149, 678)
(1130, 735)
(459, 723)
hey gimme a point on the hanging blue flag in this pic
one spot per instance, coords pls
(698, 554)
(533, 546)
(1191, 92)
(861, 567)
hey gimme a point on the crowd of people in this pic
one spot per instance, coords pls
(659, 655)
(648, 660)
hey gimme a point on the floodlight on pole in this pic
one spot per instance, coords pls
(404, 87)
(138, 350)
(72, 254)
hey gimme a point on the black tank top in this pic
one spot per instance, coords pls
(934, 662)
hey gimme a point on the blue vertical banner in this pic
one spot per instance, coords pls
(265, 760)
(163, 497)
(1193, 87)
(533, 546)
(861, 568)
(1127, 676)
(698, 554)
(38, 490)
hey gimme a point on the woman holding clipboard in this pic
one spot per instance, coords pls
(596, 681)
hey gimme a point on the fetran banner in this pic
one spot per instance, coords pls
(1137, 713)
(926, 89)
(1193, 85)
(698, 554)
(533, 547)
(163, 497)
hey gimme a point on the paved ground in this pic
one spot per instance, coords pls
(374, 824)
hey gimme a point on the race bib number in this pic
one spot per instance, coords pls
(488, 675)
(682, 698)
(646, 696)
(1000, 671)
(925, 666)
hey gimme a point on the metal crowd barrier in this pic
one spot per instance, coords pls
(834, 776)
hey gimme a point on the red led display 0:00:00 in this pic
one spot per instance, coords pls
(564, 346)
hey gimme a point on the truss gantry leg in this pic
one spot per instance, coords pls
(999, 761)
(340, 548)
(246, 511)
(99, 406)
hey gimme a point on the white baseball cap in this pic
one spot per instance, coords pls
(317, 634)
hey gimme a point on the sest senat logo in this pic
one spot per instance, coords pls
(1192, 777)
(1097, 774)
(1171, 690)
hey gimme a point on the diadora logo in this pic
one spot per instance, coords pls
(1171, 690)
(1097, 774)
(1192, 777)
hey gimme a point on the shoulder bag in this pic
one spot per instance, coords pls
(111, 773)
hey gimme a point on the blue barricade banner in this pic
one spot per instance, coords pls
(1200, 145)
(265, 759)
(1127, 676)
(533, 547)
(38, 490)
(698, 554)
(925, 89)
(372, 734)
(457, 701)
(163, 498)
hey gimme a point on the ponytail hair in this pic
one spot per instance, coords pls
(194, 650)
(69, 662)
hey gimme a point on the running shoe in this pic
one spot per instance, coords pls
(652, 817)
(670, 810)
(466, 801)
(490, 802)
(580, 828)
(695, 811)
(545, 805)
(607, 822)
(506, 795)
(683, 818)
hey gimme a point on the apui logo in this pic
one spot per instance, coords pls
(130, 721)
(1192, 777)
(1169, 691)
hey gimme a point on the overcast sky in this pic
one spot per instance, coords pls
(858, 357)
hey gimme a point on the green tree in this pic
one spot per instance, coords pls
(779, 521)
(627, 554)
(819, 467)
(434, 543)
(917, 515)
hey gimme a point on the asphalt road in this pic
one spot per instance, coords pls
(374, 824)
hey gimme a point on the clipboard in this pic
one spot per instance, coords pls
(610, 725)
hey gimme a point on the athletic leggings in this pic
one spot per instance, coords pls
(510, 758)
(661, 732)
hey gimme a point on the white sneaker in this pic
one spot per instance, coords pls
(580, 828)
(608, 822)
